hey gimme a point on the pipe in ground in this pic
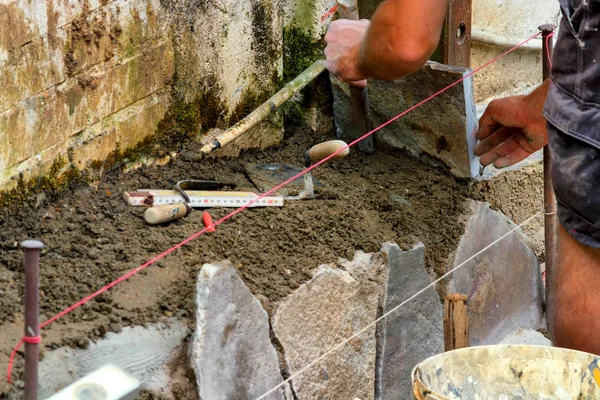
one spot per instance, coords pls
(264, 110)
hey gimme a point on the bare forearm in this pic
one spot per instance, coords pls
(402, 36)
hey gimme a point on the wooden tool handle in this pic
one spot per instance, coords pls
(163, 214)
(325, 149)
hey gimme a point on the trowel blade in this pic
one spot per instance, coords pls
(267, 176)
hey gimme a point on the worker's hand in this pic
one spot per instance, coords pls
(511, 129)
(344, 39)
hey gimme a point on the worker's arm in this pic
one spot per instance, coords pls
(400, 38)
(513, 128)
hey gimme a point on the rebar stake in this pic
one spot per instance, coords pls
(549, 196)
(32, 279)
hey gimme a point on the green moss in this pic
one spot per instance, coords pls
(300, 50)
(264, 42)
(56, 180)
(304, 13)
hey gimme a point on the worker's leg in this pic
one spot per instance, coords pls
(574, 303)
(574, 295)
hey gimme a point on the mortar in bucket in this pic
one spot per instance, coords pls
(508, 372)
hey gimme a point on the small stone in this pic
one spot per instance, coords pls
(396, 198)
(167, 313)
(40, 200)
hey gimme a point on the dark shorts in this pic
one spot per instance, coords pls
(576, 175)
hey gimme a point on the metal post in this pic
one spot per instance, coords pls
(549, 197)
(456, 37)
(348, 9)
(32, 260)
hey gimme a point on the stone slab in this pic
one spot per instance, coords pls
(502, 284)
(415, 331)
(231, 351)
(320, 314)
(442, 129)
(142, 352)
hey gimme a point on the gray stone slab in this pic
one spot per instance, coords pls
(142, 352)
(415, 331)
(502, 284)
(442, 128)
(231, 351)
(320, 314)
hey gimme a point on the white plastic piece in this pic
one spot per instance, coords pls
(106, 383)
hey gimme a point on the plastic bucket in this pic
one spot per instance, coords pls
(508, 372)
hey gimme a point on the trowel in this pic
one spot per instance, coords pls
(267, 176)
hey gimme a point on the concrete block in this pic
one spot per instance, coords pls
(31, 69)
(121, 131)
(320, 314)
(114, 30)
(415, 331)
(114, 86)
(231, 351)
(32, 126)
(18, 23)
(442, 129)
(502, 284)
(143, 352)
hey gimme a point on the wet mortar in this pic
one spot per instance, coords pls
(92, 237)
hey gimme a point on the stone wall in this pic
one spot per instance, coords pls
(81, 79)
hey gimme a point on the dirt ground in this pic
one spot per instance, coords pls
(92, 237)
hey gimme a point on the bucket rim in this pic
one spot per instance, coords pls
(501, 346)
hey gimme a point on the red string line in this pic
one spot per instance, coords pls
(268, 193)
(548, 38)
(329, 12)
(32, 339)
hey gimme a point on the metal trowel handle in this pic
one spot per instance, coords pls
(325, 149)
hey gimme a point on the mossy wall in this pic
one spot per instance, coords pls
(99, 82)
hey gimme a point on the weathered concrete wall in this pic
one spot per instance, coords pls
(82, 79)
(498, 25)
(79, 79)
(510, 22)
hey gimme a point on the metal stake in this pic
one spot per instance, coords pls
(549, 196)
(32, 266)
